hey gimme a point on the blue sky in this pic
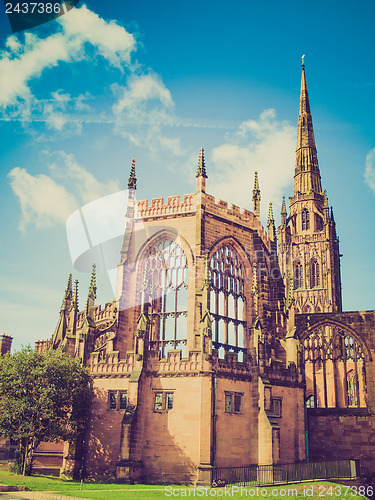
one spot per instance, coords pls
(82, 95)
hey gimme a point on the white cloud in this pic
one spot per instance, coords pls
(21, 63)
(265, 145)
(88, 188)
(370, 169)
(45, 200)
(44, 203)
(113, 42)
(143, 108)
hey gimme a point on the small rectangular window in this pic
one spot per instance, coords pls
(169, 401)
(123, 400)
(228, 403)
(113, 400)
(158, 401)
(276, 407)
(237, 403)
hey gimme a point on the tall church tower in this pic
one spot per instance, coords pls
(308, 244)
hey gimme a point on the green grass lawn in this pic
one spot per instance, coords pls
(109, 491)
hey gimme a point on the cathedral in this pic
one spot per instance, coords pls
(226, 344)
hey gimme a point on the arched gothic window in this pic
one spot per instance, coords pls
(314, 274)
(310, 402)
(352, 383)
(167, 274)
(305, 220)
(227, 301)
(298, 275)
(318, 223)
(335, 367)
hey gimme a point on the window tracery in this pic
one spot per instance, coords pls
(167, 270)
(335, 367)
(227, 301)
(298, 275)
(314, 274)
(305, 219)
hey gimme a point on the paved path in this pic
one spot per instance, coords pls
(34, 495)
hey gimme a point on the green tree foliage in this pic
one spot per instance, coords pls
(43, 397)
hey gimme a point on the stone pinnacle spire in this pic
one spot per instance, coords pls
(283, 213)
(67, 294)
(75, 296)
(201, 171)
(256, 196)
(271, 224)
(132, 182)
(92, 288)
(68, 291)
(306, 176)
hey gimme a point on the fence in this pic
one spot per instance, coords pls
(286, 473)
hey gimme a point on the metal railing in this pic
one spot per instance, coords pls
(286, 473)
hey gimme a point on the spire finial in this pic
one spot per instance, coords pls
(201, 171)
(68, 290)
(306, 175)
(75, 297)
(92, 288)
(283, 212)
(132, 182)
(271, 224)
(256, 196)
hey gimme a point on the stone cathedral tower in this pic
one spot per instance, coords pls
(308, 244)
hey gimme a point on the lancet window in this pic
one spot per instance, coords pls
(227, 301)
(335, 367)
(298, 275)
(305, 220)
(314, 273)
(167, 276)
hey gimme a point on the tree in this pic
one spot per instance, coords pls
(43, 397)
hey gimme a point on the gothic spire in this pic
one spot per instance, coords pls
(271, 224)
(307, 176)
(256, 196)
(201, 171)
(75, 295)
(132, 182)
(67, 294)
(92, 293)
(92, 288)
(283, 213)
(68, 291)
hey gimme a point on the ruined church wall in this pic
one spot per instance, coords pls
(336, 435)
(104, 429)
(176, 441)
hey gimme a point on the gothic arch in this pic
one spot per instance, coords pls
(228, 275)
(335, 364)
(232, 241)
(163, 278)
(158, 236)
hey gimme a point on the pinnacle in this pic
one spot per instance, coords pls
(283, 207)
(256, 184)
(69, 286)
(201, 171)
(270, 215)
(92, 288)
(132, 182)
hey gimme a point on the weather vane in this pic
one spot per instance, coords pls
(303, 60)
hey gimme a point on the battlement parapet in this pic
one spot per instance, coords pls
(234, 213)
(159, 208)
(110, 365)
